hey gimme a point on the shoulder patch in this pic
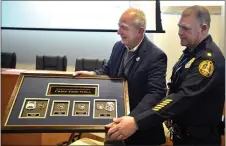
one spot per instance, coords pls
(189, 63)
(206, 68)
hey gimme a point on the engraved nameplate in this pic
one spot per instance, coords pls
(59, 89)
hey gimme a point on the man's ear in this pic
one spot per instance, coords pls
(141, 30)
(204, 27)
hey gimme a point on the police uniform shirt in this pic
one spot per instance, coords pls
(197, 90)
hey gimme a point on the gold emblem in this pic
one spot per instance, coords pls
(81, 106)
(41, 105)
(60, 106)
(189, 63)
(100, 106)
(206, 68)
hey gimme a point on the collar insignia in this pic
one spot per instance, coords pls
(189, 63)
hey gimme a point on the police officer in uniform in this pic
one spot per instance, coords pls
(196, 93)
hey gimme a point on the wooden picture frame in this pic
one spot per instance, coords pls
(36, 85)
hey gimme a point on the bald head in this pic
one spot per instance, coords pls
(132, 26)
(136, 16)
(200, 12)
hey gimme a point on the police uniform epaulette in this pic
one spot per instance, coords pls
(207, 54)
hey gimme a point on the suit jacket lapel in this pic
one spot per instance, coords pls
(139, 57)
(119, 60)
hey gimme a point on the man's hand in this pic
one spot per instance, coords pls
(122, 128)
(88, 73)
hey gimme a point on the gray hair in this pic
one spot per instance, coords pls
(139, 18)
(201, 13)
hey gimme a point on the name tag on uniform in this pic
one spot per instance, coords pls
(189, 63)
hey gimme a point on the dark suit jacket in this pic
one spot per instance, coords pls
(146, 85)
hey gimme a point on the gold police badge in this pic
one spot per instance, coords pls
(189, 63)
(206, 68)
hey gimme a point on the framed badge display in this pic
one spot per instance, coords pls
(43, 102)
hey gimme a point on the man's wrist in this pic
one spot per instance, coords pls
(136, 126)
(135, 123)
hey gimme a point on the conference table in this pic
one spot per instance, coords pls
(8, 81)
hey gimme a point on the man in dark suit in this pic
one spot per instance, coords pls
(196, 92)
(143, 65)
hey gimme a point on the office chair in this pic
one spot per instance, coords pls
(57, 63)
(8, 60)
(89, 64)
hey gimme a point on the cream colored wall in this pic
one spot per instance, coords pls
(223, 24)
(215, 29)
(223, 35)
(170, 42)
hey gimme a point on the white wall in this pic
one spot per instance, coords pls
(27, 44)
(72, 14)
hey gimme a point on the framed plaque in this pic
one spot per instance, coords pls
(53, 102)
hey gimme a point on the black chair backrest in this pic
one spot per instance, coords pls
(8, 60)
(51, 63)
(88, 64)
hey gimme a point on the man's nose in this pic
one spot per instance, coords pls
(119, 32)
(180, 31)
